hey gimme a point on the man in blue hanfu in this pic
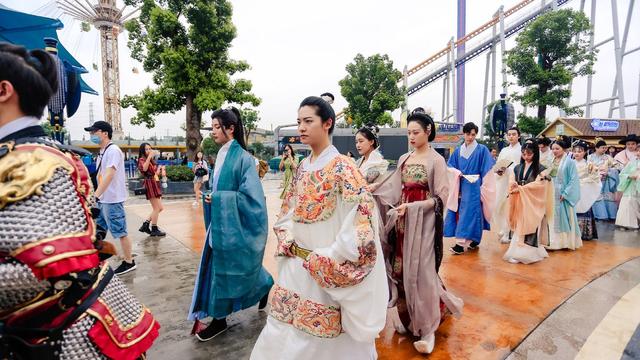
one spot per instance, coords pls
(472, 192)
(231, 276)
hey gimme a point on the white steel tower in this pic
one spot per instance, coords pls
(108, 19)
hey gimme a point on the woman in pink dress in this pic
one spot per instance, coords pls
(411, 202)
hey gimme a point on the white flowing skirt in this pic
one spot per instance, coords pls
(284, 342)
(629, 212)
(520, 252)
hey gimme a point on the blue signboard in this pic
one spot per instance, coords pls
(454, 128)
(604, 125)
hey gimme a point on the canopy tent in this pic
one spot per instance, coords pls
(30, 30)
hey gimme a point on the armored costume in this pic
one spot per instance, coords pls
(58, 300)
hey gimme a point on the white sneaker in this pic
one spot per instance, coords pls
(426, 344)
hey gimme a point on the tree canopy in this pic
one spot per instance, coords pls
(549, 53)
(371, 89)
(184, 44)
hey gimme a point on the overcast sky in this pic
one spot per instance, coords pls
(298, 48)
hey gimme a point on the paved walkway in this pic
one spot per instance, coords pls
(544, 310)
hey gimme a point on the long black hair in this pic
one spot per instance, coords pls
(227, 118)
(425, 121)
(141, 151)
(535, 162)
(293, 153)
(370, 132)
(33, 74)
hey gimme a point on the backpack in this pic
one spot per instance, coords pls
(263, 168)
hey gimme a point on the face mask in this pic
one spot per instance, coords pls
(95, 139)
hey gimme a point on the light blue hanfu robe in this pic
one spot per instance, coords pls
(606, 208)
(231, 276)
(565, 232)
(469, 221)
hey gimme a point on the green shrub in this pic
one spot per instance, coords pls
(179, 173)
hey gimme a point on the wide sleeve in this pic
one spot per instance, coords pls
(527, 206)
(571, 190)
(453, 160)
(376, 171)
(353, 254)
(389, 190)
(238, 230)
(624, 180)
(440, 185)
(488, 187)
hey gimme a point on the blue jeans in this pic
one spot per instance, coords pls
(113, 219)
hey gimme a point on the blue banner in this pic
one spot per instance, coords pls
(604, 125)
(454, 128)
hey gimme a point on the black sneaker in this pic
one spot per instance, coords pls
(156, 232)
(457, 250)
(214, 329)
(125, 267)
(145, 227)
(473, 246)
(263, 302)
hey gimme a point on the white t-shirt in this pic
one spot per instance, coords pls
(117, 190)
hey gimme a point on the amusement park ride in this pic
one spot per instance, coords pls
(108, 19)
(448, 63)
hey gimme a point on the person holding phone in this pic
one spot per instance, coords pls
(288, 164)
(150, 172)
(201, 176)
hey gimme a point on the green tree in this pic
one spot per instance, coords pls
(371, 89)
(262, 152)
(184, 44)
(489, 137)
(210, 147)
(549, 53)
(250, 119)
(531, 125)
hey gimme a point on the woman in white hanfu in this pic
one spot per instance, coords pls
(330, 298)
(371, 164)
(508, 158)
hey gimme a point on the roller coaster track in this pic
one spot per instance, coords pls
(510, 29)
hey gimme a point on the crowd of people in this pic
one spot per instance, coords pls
(356, 243)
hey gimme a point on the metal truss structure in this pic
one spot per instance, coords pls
(108, 19)
(445, 63)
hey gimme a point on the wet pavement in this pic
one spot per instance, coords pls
(551, 309)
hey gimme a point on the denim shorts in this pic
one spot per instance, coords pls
(113, 219)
